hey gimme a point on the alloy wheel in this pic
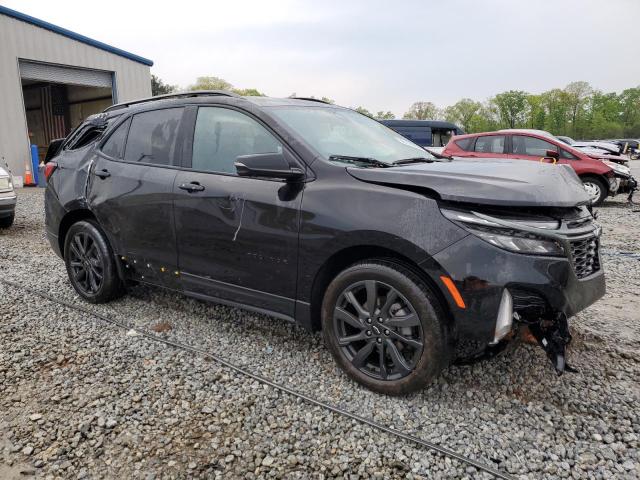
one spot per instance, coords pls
(86, 263)
(378, 330)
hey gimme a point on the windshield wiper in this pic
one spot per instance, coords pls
(369, 161)
(440, 156)
(406, 161)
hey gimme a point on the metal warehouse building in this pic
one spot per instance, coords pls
(52, 78)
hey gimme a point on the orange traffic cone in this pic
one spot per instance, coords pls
(28, 175)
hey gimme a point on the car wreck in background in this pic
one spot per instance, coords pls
(600, 176)
(599, 149)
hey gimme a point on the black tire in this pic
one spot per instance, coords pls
(596, 186)
(91, 263)
(417, 366)
(6, 222)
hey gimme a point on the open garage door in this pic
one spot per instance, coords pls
(58, 98)
(45, 72)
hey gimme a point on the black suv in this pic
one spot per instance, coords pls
(316, 214)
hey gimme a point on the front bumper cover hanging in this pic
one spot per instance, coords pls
(553, 336)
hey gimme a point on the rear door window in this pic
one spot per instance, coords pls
(490, 144)
(114, 146)
(524, 145)
(153, 137)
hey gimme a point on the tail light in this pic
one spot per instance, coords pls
(49, 168)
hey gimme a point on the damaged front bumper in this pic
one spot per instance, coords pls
(627, 184)
(505, 290)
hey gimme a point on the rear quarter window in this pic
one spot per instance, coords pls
(89, 132)
(114, 146)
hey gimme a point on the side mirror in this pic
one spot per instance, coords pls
(268, 165)
(552, 154)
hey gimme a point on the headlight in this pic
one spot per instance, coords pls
(617, 167)
(5, 183)
(507, 238)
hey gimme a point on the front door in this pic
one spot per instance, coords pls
(526, 147)
(237, 237)
(130, 192)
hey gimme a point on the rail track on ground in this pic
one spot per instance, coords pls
(443, 450)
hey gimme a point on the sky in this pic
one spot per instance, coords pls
(381, 55)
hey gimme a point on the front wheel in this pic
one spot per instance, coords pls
(384, 327)
(90, 263)
(596, 189)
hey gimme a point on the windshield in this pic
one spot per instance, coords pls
(339, 132)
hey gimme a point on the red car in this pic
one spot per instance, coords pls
(598, 178)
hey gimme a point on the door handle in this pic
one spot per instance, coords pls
(104, 173)
(191, 187)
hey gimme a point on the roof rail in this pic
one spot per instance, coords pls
(311, 99)
(194, 93)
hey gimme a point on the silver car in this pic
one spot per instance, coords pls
(7, 199)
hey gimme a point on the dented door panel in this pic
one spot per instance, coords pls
(134, 203)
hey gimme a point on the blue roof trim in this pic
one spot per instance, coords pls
(72, 35)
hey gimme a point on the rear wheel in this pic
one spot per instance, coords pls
(384, 327)
(90, 263)
(596, 189)
(6, 222)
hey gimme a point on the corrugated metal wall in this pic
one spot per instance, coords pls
(21, 40)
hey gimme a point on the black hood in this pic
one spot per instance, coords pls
(520, 183)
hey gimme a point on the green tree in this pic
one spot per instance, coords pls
(217, 83)
(486, 120)
(248, 92)
(604, 119)
(512, 107)
(363, 111)
(577, 95)
(462, 112)
(557, 108)
(381, 115)
(210, 83)
(536, 113)
(630, 111)
(158, 87)
(423, 111)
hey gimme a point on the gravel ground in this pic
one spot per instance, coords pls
(83, 399)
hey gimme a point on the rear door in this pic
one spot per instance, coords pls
(237, 237)
(130, 191)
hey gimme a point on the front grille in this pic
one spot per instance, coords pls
(584, 255)
(527, 303)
